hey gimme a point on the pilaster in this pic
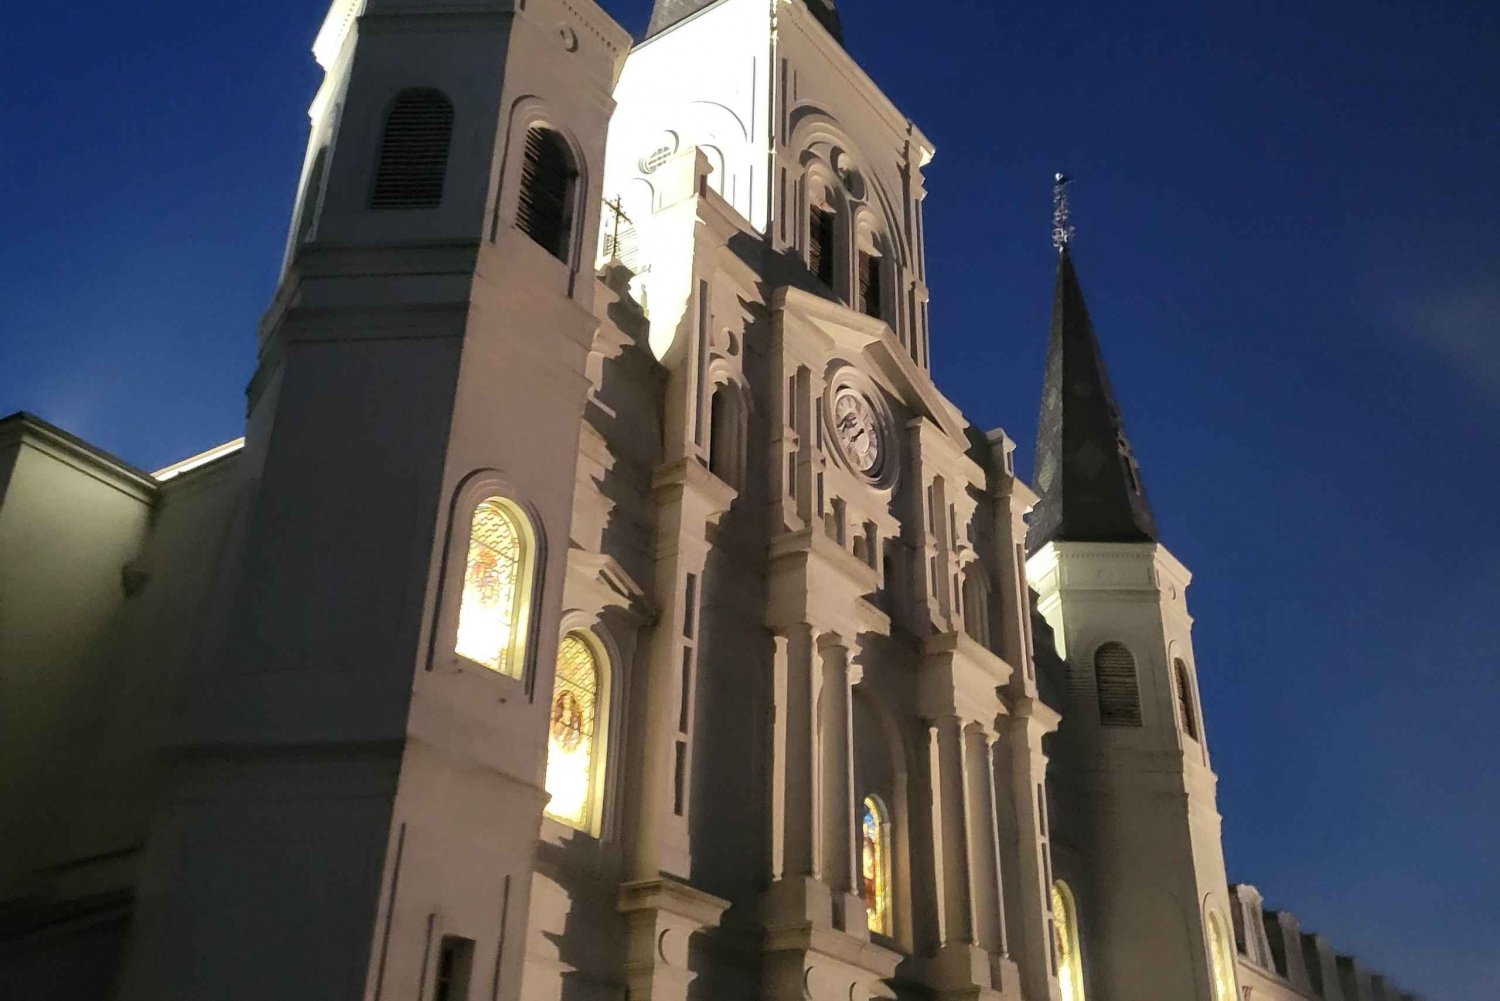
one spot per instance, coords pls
(662, 915)
(689, 499)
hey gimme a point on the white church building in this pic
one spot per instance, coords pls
(604, 604)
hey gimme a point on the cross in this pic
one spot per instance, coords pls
(1062, 233)
(618, 208)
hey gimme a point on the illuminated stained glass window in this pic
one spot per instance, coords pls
(1221, 958)
(1065, 943)
(492, 613)
(875, 865)
(571, 739)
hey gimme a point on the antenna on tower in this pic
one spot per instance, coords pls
(1062, 232)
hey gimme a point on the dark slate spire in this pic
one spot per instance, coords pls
(665, 13)
(1086, 475)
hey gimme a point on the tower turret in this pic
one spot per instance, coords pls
(1086, 474)
(1140, 901)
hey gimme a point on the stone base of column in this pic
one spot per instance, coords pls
(963, 972)
(807, 958)
(663, 914)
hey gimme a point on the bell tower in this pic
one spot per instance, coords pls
(356, 786)
(1136, 830)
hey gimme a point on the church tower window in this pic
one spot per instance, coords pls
(1119, 693)
(544, 211)
(1185, 699)
(572, 751)
(820, 244)
(1068, 956)
(414, 151)
(875, 865)
(493, 611)
(869, 284)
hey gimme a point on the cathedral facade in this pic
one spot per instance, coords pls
(604, 601)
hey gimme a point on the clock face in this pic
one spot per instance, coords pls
(858, 431)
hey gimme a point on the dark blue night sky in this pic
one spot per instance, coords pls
(1287, 216)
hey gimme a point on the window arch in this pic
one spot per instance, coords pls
(548, 172)
(1065, 947)
(413, 151)
(1185, 698)
(1221, 959)
(875, 864)
(495, 607)
(574, 757)
(1119, 693)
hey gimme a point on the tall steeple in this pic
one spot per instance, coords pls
(1086, 475)
(665, 13)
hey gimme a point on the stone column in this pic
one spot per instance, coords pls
(984, 845)
(1030, 943)
(796, 834)
(950, 805)
(840, 853)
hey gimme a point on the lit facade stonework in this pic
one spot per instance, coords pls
(604, 601)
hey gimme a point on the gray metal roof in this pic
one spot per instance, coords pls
(1086, 474)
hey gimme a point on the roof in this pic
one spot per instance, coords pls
(1087, 478)
(665, 13)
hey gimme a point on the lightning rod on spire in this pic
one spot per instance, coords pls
(1062, 232)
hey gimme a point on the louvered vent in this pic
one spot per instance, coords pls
(1119, 695)
(869, 284)
(820, 245)
(547, 173)
(1185, 700)
(414, 151)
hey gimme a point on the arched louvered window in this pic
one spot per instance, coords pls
(545, 211)
(312, 197)
(414, 151)
(1185, 699)
(1119, 694)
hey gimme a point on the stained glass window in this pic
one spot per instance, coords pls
(1065, 943)
(491, 615)
(571, 739)
(1220, 956)
(875, 865)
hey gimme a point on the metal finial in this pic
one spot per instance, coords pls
(1062, 233)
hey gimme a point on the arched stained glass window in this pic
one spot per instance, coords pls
(1221, 956)
(875, 864)
(492, 612)
(1065, 943)
(572, 738)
